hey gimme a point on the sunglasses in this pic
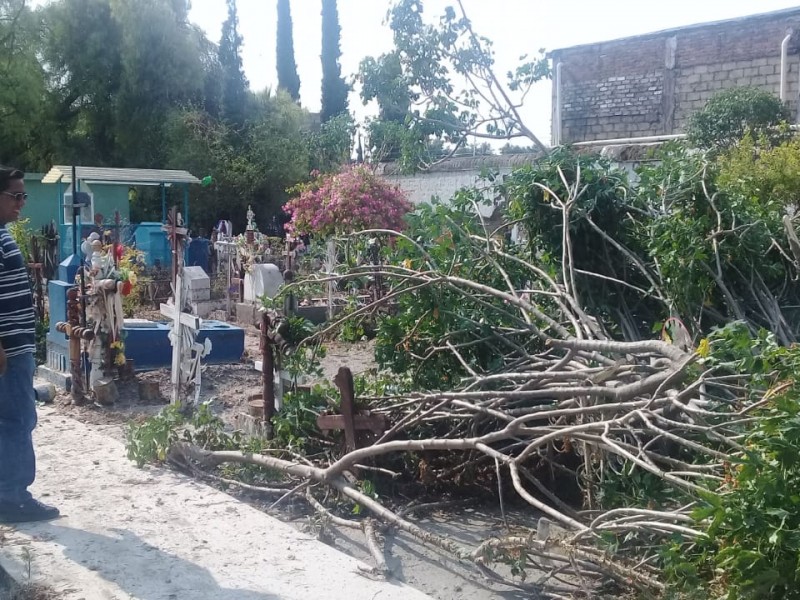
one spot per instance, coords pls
(19, 196)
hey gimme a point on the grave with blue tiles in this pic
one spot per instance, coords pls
(146, 342)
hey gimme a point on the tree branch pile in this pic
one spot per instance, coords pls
(534, 379)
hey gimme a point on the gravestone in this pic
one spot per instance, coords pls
(197, 284)
(265, 280)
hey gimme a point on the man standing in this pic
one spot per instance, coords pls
(17, 345)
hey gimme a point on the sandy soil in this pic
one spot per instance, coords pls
(227, 387)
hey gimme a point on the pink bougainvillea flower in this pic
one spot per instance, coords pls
(351, 200)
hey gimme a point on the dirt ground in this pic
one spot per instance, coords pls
(227, 388)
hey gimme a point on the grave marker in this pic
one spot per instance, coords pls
(186, 352)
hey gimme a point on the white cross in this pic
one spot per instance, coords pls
(184, 330)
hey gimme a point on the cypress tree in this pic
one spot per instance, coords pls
(234, 82)
(334, 88)
(288, 79)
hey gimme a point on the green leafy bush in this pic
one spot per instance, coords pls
(413, 339)
(734, 113)
(150, 440)
(753, 521)
(295, 425)
(713, 234)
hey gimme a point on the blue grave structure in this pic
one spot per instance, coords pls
(108, 191)
(147, 343)
(57, 342)
(198, 253)
(151, 240)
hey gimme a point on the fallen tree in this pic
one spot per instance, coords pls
(533, 376)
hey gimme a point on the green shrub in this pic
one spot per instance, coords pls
(753, 521)
(734, 113)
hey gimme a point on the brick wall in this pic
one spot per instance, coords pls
(651, 84)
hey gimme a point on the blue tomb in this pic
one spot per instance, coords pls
(197, 254)
(152, 241)
(147, 343)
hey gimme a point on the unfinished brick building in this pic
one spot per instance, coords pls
(649, 85)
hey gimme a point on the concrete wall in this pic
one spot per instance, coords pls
(651, 84)
(444, 180)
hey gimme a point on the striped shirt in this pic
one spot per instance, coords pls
(17, 319)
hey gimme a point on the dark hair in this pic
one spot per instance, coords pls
(7, 174)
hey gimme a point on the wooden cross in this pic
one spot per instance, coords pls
(180, 321)
(350, 419)
(176, 235)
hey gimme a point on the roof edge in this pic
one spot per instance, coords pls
(120, 176)
(784, 12)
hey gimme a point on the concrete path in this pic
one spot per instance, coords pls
(152, 534)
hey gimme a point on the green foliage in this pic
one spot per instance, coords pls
(21, 233)
(753, 521)
(42, 329)
(150, 441)
(734, 113)
(602, 210)
(234, 84)
(330, 146)
(713, 232)
(419, 89)
(676, 225)
(769, 175)
(251, 166)
(23, 94)
(624, 484)
(133, 83)
(603, 199)
(334, 87)
(353, 329)
(413, 338)
(295, 425)
(288, 79)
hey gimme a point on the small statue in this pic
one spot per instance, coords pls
(101, 263)
(251, 225)
(86, 246)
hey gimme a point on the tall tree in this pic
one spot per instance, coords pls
(234, 82)
(430, 65)
(288, 79)
(161, 70)
(334, 88)
(22, 86)
(83, 51)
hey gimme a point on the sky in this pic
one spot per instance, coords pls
(516, 27)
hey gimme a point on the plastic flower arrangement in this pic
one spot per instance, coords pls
(118, 348)
(129, 265)
(351, 200)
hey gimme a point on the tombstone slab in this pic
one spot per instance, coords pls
(264, 280)
(198, 284)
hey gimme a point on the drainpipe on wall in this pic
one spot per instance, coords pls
(785, 67)
(557, 108)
